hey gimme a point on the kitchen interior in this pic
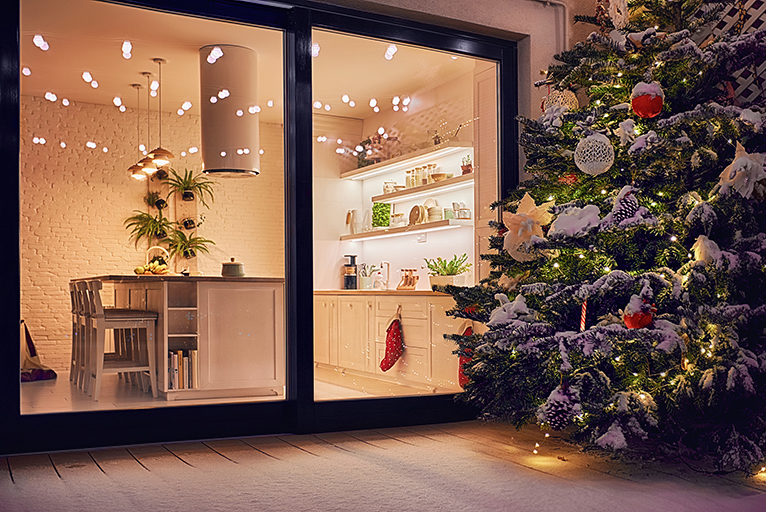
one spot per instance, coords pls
(405, 164)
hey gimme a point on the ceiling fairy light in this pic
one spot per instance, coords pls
(26, 71)
(215, 54)
(127, 47)
(40, 42)
(345, 98)
(373, 102)
(315, 50)
(352, 103)
(390, 51)
(87, 76)
(136, 171)
(117, 101)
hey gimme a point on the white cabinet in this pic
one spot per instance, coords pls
(230, 330)
(356, 332)
(326, 330)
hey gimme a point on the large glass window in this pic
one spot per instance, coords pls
(405, 166)
(103, 86)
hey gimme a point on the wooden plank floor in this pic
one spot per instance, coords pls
(456, 466)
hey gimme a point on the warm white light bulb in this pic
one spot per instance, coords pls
(317, 104)
(345, 98)
(65, 102)
(94, 84)
(406, 100)
(26, 71)
(63, 144)
(117, 101)
(327, 108)
(352, 103)
(127, 47)
(213, 99)
(359, 148)
(373, 102)
(260, 151)
(396, 108)
(376, 109)
(180, 111)
(240, 113)
(315, 50)
(38, 40)
(87, 77)
(381, 130)
(396, 100)
(193, 149)
(270, 103)
(186, 105)
(123, 108)
(127, 55)
(155, 85)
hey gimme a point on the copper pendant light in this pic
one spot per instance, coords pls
(146, 163)
(135, 170)
(160, 156)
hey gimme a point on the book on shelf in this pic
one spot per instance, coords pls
(183, 369)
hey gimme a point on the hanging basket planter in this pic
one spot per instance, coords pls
(189, 254)
(160, 204)
(187, 195)
(189, 223)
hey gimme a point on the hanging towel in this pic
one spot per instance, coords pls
(394, 341)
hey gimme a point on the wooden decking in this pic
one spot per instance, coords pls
(457, 466)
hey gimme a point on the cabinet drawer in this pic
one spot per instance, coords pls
(412, 307)
(413, 365)
(414, 332)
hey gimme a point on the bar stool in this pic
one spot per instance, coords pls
(77, 368)
(127, 322)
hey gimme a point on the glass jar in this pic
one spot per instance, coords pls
(409, 180)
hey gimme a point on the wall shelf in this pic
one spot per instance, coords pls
(409, 230)
(448, 185)
(407, 161)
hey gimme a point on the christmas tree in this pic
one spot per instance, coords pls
(626, 297)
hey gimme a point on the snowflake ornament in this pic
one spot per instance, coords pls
(523, 225)
(626, 131)
(743, 172)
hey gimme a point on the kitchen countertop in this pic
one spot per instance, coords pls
(179, 278)
(411, 293)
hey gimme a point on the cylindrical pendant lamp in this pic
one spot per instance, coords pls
(229, 109)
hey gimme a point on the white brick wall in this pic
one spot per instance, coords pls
(74, 201)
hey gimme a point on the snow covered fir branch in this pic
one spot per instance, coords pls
(625, 300)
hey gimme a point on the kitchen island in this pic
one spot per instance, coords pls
(350, 336)
(218, 337)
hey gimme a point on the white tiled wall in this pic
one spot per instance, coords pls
(74, 200)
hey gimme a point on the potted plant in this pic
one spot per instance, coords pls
(467, 166)
(447, 272)
(187, 246)
(144, 225)
(154, 200)
(188, 185)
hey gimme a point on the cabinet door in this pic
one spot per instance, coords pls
(241, 337)
(354, 332)
(444, 364)
(325, 330)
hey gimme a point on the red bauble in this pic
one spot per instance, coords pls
(647, 106)
(569, 179)
(638, 320)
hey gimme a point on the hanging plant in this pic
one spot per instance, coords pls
(154, 200)
(189, 186)
(144, 225)
(187, 246)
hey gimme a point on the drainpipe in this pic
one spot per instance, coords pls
(565, 25)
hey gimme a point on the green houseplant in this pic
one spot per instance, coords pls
(154, 200)
(443, 272)
(188, 186)
(144, 225)
(187, 246)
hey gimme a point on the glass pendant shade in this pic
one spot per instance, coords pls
(147, 165)
(137, 172)
(161, 156)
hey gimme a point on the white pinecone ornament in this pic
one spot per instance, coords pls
(626, 205)
(562, 406)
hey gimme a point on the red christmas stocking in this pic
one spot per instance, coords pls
(394, 345)
(462, 378)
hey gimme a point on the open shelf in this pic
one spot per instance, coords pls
(456, 183)
(409, 230)
(407, 161)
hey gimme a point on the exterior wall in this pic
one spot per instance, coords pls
(74, 200)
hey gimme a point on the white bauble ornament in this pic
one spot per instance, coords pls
(565, 98)
(594, 154)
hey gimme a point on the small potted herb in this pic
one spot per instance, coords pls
(187, 246)
(467, 167)
(154, 200)
(443, 272)
(144, 225)
(189, 186)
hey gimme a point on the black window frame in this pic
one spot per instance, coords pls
(298, 413)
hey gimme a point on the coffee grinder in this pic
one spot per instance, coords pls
(349, 273)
